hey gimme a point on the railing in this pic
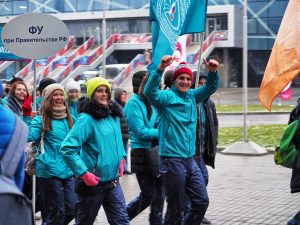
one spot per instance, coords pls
(138, 60)
(208, 44)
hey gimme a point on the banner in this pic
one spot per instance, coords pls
(284, 62)
(6, 55)
(171, 19)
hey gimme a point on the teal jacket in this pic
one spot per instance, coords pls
(178, 114)
(51, 163)
(95, 145)
(141, 130)
(73, 108)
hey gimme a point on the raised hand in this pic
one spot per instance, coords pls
(165, 62)
(212, 65)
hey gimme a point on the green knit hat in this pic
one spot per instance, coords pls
(94, 83)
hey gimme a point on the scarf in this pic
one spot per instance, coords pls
(98, 110)
(59, 112)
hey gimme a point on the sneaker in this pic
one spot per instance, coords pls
(205, 221)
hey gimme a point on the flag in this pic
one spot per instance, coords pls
(286, 93)
(170, 19)
(284, 62)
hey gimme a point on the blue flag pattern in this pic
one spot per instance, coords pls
(170, 19)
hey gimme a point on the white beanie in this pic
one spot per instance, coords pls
(72, 85)
(51, 88)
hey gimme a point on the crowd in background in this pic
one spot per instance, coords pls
(83, 143)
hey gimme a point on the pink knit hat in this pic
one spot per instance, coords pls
(180, 69)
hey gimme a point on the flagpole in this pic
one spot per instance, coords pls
(199, 60)
(104, 39)
(34, 109)
(245, 70)
(245, 147)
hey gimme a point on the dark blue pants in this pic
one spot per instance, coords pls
(200, 162)
(59, 198)
(295, 220)
(113, 203)
(182, 177)
(152, 194)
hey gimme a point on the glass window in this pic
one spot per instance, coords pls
(20, 7)
(278, 8)
(82, 5)
(138, 4)
(35, 6)
(5, 8)
(118, 4)
(49, 7)
(70, 6)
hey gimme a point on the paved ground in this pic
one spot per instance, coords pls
(243, 190)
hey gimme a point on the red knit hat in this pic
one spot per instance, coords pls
(180, 69)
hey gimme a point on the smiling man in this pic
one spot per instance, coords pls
(177, 128)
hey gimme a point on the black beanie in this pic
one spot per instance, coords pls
(167, 78)
(15, 79)
(44, 83)
(137, 80)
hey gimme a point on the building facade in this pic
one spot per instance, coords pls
(84, 19)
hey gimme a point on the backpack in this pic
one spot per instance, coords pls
(15, 207)
(285, 154)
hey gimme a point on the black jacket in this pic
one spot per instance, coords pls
(124, 126)
(295, 180)
(212, 124)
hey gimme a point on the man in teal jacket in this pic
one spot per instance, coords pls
(177, 136)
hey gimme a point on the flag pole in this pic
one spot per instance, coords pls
(104, 39)
(199, 60)
(245, 70)
(34, 109)
(245, 147)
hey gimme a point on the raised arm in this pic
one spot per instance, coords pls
(212, 83)
(155, 96)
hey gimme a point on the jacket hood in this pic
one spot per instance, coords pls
(98, 110)
(117, 95)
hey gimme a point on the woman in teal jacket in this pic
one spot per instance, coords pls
(142, 119)
(95, 153)
(55, 178)
(73, 95)
(177, 129)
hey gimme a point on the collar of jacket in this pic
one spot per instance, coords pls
(180, 94)
(97, 110)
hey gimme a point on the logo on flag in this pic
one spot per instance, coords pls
(171, 19)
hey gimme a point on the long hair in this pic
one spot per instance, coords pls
(47, 113)
(144, 98)
(13, 88)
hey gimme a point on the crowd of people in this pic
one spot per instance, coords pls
(82, 146)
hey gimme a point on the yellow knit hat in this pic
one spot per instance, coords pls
(94, 83)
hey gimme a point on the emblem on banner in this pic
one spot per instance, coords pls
(171, 15)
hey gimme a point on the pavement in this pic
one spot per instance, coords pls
(243, 190)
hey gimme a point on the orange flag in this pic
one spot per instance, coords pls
(284, 62)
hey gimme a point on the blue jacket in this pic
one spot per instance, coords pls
(51, 163)
(95, 144)
(141, 130)
(73, 108)
(7, 126)
(177, 127)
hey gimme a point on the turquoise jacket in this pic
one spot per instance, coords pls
(178, 114)
(94, 145)
(39, 103)
(51, 163)
(141, 130)
(73, 108)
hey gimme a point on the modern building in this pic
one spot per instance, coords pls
(85, 18)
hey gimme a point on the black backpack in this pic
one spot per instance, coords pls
(15, 208)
